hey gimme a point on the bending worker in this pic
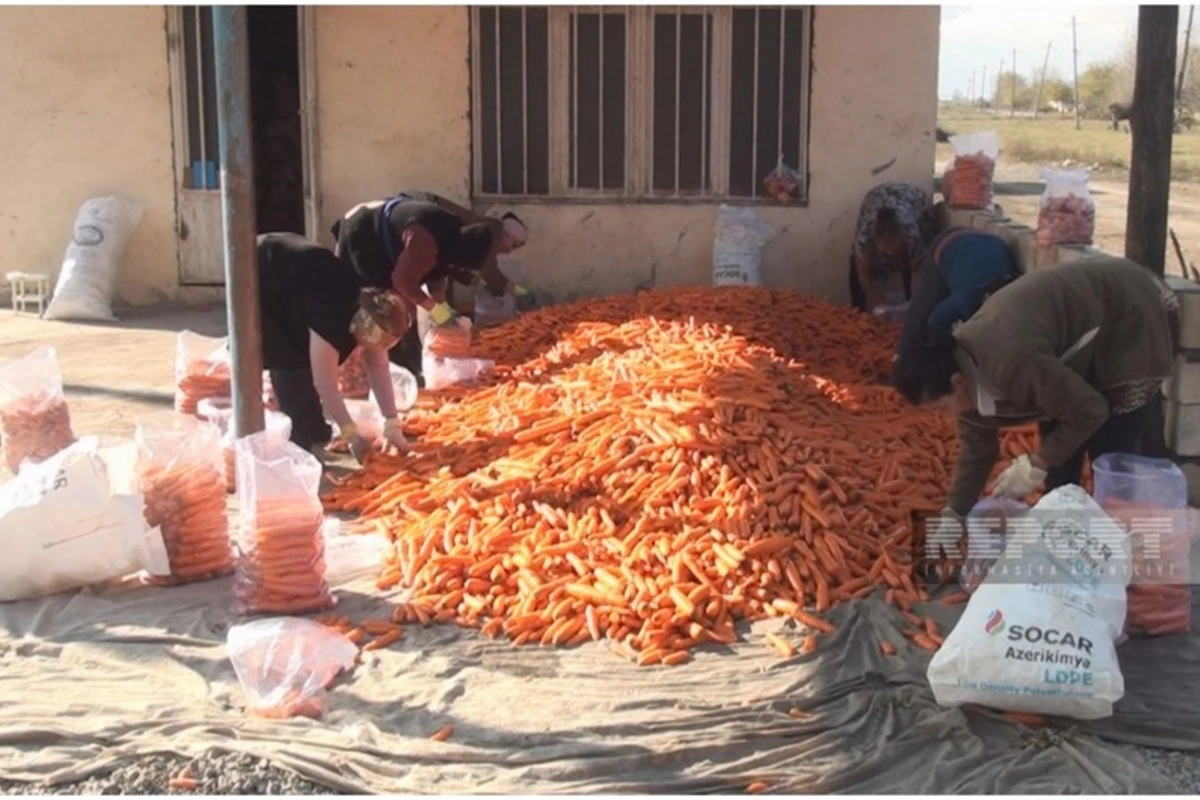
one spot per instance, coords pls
(315, 311)
(1080, 347)
(895, 222)
(414, 249)
(509, 234)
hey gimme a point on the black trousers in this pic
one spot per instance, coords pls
(858, 295)
(1120, 433)
(298, 398)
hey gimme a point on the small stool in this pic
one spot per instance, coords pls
(29, 289)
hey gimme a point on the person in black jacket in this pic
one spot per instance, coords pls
(315, 311)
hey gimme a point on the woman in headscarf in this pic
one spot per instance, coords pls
(314, 312)
(1080, 347)
(895, 222)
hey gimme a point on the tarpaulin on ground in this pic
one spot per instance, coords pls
(94, 679)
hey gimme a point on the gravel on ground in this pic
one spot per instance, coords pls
(213, 773)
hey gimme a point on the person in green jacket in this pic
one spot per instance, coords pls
(1080, 347)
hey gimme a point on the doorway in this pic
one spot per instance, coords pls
(275, 101)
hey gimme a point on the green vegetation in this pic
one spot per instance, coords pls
(1051, 140)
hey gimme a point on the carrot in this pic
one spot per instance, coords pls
(887, 648)
(1025, 718)
(654, 469)
(811, 643)
(443, 733)
(756, 787)
(183, 783)
(34, 426)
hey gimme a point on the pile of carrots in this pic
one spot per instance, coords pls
(1159, 596)
(35, 427)
(187, 499)
(449, 341)
(650, 469)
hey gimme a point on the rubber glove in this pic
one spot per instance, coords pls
(359, 446)
(441, 313)
(393, 435)
(525, 298)
(1021, 478)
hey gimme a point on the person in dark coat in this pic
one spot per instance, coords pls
(895, 222)
(1079, 347)
(414, 249)
(315, 311)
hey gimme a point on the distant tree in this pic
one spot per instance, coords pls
(1059, 91)
(1098, 88)
(1003, 94)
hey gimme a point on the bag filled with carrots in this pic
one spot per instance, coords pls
(281, 549)
(1067, 214)
(202, 370)
(219, 411)
(35, 422)
(182, 477)
(974, 165)
(446, 358)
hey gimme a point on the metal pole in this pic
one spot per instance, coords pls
(1042, 84)
(232, 48)
(1075, 69)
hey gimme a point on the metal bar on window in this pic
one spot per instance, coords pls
(202, 180)
(678, 99)
(782, 41)
(600, 95)
(575, 97)
(525, 106)
(476, 104)
(754, 128)
(704, 116)
(499, 104)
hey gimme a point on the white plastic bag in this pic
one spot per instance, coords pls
(443, 371)
(64, 523)
(491, 310)
(974, 165)
(1067, 214)
(35, 422)
(202, 370)
(281, 548)
(737, 247)
(284, 665)
(404, 386)
(1039, 634)
(89, 270)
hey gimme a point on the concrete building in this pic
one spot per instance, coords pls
(616, 142)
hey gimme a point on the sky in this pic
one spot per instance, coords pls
(978, 36)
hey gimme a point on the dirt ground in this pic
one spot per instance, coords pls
(111, 372)
(1019, 191)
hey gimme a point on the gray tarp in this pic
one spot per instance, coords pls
(90, 680)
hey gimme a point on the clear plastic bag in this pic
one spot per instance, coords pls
(182, 476)
(404, 387)
(446, 360)
(491, 310)
(352, 376)
(783, 182)
(1067, 214)
(281, 548)
(219, 411)
(285, 665)
(202, 370)
(35, 421)
(974, 165)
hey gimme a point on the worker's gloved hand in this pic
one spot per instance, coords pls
(1021, 478)
(442, 313)
(393, 435)
(359, 445)
(526, 301)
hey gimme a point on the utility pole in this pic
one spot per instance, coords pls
(231, 42)
(1038, 102)
(1000, 85)
(1187, 42)
(1075, 69)
(1151, 127)
(971, 85)
(982, 86)
(1012, 111)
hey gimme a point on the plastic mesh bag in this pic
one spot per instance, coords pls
(35, 421)
(974, 165)
(182, 477)
(202, 370)
(1067, 214)
(285, 665)
(281, 549)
